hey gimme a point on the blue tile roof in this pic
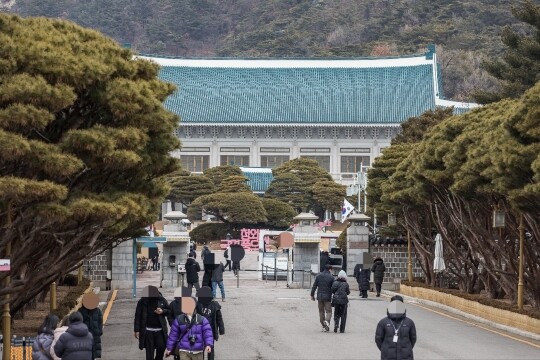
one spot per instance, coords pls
(259, 179)
(329, 95)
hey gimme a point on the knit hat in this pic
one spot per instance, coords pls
(342, 275)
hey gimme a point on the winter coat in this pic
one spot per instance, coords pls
(41, 347)
(212, 312)
(384, 336)
(141, 317)
(182, 329)
(378, 269)
(175, 310)
(362, 277)
(217, 274)
(94, 320)
(340, 290)
(323, 283)
(76, 343)
(57, 333)
(205, 252)
(192, 271)
(207, 278)
(324, 260)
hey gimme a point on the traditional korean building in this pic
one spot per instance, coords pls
(261, 113)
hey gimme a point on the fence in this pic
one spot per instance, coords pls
(294, 278)
(21, 348)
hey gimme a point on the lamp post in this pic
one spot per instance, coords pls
(6, 316)
(520, 276)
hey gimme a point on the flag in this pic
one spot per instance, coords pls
(346, 210)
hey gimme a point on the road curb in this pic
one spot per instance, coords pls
(466, 315)
(109, 306)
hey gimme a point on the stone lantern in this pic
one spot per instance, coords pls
(358, 243)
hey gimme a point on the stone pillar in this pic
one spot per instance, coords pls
(122, 266)
(358, 243)
(170, 274)
(95, 269)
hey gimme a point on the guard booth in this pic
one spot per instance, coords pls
(176, 250)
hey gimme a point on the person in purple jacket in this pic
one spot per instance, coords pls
(191, 333)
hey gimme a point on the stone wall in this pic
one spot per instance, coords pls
(122, 266)
(395, 260)
(95, 269)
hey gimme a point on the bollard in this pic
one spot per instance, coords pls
(275, 268)
(53, 296)
(266, 275)
(237, 278)
(303, 273)
(310, 276)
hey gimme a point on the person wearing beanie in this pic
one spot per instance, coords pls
(340, 301)
(396, 333)
(323, 284)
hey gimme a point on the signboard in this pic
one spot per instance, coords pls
(152, 239)
(269, 259)
(5, 264)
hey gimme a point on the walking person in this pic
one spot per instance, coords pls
(150, 325)
(191, 333)
(192, 272)
(340, 300)
(226, 256)
(217, 280)
(93, 318)
(211, 310)
(154, 260)
(57, 333)
(77, 342)
(378, 270)
(323, 284)
(362, 278)
(204, 253)
(395, 335)
(41, 347)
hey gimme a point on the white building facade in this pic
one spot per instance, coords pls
(261, 113)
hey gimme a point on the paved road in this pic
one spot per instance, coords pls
(267, 322)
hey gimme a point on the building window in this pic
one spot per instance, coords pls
(294, 132)
(323, 161)
(177, 132)
(355, 150)
(353, 164)
(188, 131)
(272, 161)
(234, 149)
(238, 160)
(389, 132)
(335, 132)
(321, 132)
(308, 133)
(282, 132)
(228, 131)
(375, 132)
(201, 131)
(275, 149)
(194, 149)
(195, 163)
(254, 131)
(348, 133)
(215, 131)
(314, 150)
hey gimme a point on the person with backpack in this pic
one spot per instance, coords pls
(340, 301)
(192, 272)
(93, 318)
(226, 256)
(41, 347)
(211, 310)
(362, 278)
(191, 333)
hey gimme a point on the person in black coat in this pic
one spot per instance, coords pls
(211, 310)
(396, 333)
(150, 324)
(362, 278)
(192, 272)
(378, 269)
(93, 318)
(340, 300)
(324, 260)
(323, 284)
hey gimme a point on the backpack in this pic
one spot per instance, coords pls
(226, 253)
